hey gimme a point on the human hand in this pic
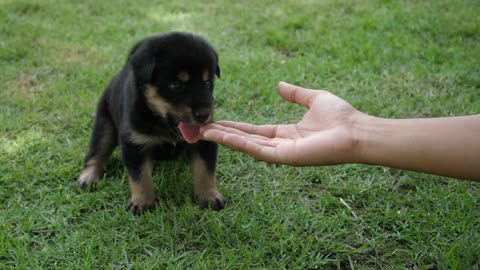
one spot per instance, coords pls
(324, 136)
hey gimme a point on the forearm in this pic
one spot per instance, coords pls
(443, 146)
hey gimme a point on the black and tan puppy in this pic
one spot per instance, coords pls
(152, 109)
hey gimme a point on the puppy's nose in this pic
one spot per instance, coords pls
(202, 115)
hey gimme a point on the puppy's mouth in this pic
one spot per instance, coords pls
(190, 132)
(189, 124)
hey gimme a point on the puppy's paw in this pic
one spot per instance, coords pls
(89, 178)
(141, 203)
(211, 199)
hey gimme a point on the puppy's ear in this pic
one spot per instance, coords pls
(143, 62)
(217, 71)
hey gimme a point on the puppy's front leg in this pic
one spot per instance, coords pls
(139, 166)
(203, 163)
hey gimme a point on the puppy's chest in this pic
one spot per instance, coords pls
(146, 129)
(160, 148)
(154, 139)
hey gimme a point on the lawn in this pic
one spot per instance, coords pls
(393, 59)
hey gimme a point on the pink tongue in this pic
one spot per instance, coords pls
(191, 133)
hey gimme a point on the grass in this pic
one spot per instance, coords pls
(388, 58)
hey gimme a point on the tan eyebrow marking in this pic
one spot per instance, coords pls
(183, 76)
(205, 75)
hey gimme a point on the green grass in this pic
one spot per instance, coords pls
(388, 58)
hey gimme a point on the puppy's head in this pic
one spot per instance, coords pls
(175, 75)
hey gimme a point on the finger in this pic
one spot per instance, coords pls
(232, 130)
(219, 134)
(269, 131)
(260, 140)
(297, 94)
(242, 144)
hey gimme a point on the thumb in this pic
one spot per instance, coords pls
(297, 94)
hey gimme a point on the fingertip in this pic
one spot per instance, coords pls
(296, 94)
(217, 136)
(227, 139)
(207, 134)
(209, 126)
(287, 91)
(282, 86)
(224, 122)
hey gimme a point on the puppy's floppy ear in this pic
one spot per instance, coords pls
(142, 61)
(217, 71)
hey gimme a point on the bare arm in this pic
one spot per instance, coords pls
(444, 146)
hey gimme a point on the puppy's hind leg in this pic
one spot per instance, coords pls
(103, 141)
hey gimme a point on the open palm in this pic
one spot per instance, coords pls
(322, 137)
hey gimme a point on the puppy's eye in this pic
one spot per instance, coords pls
(175, 86)
(208, 84)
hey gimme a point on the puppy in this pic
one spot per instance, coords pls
(152, 109)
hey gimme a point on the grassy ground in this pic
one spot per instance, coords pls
(388, 58)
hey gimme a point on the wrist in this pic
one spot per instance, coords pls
(364, 130)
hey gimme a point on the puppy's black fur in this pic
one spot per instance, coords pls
(166, 83)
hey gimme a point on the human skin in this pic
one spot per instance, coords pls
(333, 132)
